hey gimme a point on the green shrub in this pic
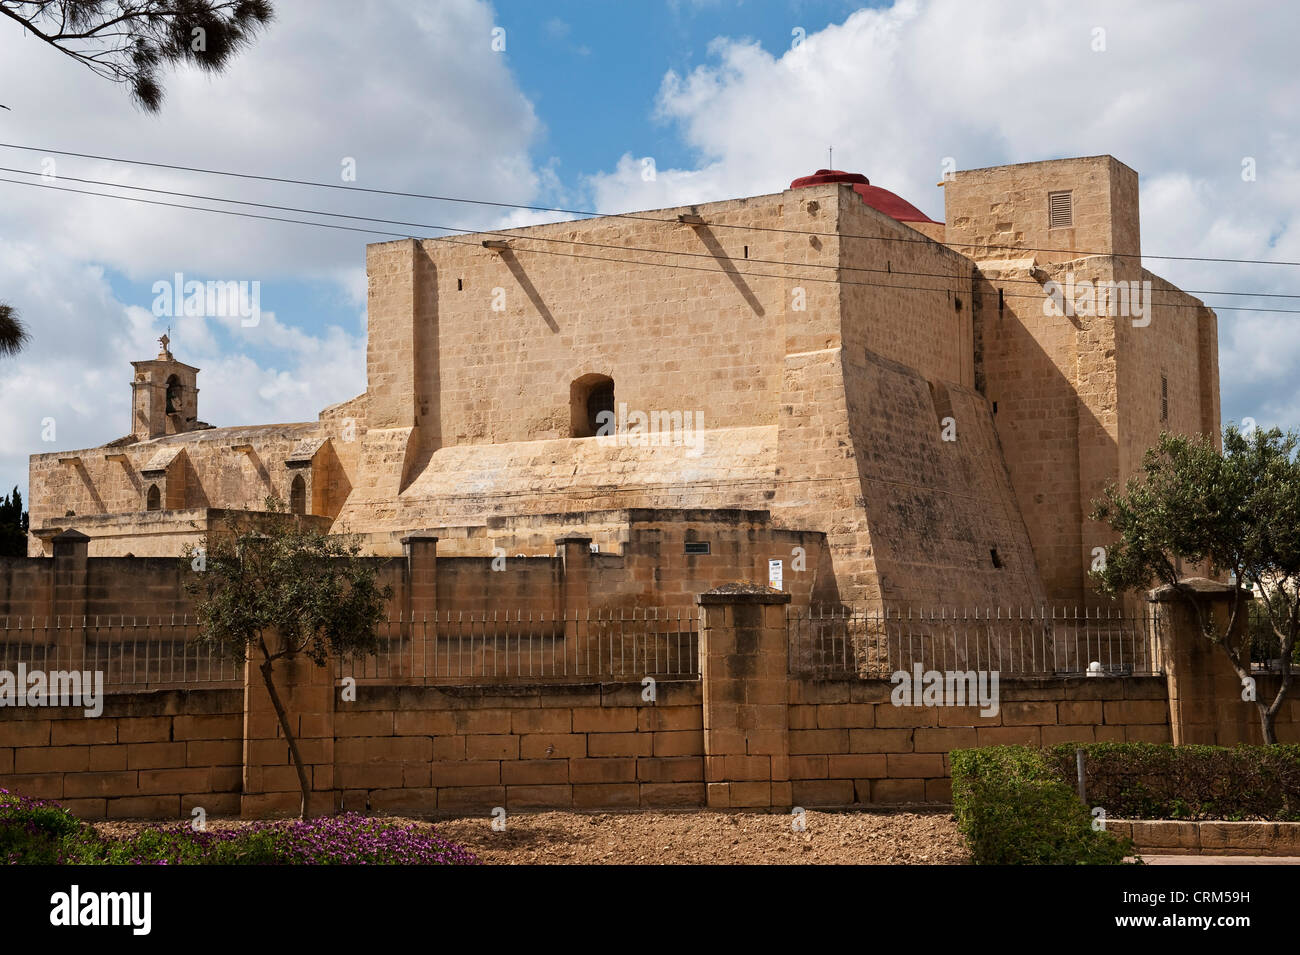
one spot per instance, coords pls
(36, 832)
(156, 846)
(1014, 810)
(1162, 781)
(257, 847)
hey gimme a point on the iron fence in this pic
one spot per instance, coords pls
(138, 653)
(452, 647)
(455, 646)
(133, 653)
(1044, 642)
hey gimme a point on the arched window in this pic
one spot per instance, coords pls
(589, 396)
(174, 395)
(298, 495)
(153, 501)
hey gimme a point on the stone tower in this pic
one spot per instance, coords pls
(164, 396)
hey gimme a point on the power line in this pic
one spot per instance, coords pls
(177, 205)
(504, 233)
(629, 215)
(578, 255)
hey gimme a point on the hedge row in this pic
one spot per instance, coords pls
(1160, 781)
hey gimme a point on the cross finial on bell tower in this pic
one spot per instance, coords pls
(164, 340)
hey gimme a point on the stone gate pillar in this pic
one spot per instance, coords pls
(1205, 702)
(575, 555)
(421, 609)
(67, 614)
(744, 676)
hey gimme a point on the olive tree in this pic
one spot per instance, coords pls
(1237, 511)
(279, 589)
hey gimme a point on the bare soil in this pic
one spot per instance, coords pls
(884, 837)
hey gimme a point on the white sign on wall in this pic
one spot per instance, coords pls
(775, 570)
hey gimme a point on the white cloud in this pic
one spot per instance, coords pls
(408, 95)
(413, 93)
(76, 370)
(1182, 92)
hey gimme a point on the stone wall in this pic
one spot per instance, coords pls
(201, 474)
(642, 563)
(904, 298)
(599, 746)
(1077, 399)
(745, 735)
(150, 755)
(989, 212)
(850, 744)
(581, 746)
(942, 513)
(473, 748)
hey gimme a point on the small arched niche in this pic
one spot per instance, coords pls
(153, 500)
(588, 397)
(298, 495)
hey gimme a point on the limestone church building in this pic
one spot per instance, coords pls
(822, 364)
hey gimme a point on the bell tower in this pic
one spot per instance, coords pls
(164, 396)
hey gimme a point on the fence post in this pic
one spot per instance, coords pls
(744, 673)
(1079, 771)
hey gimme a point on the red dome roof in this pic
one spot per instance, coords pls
(882, 200)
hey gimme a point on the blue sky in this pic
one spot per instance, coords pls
(714, 92)
(594, 69)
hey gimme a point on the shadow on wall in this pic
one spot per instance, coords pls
(525, 283)
(1058, 454)
(711, 243)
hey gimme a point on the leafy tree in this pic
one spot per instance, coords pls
(127, 41)
(283, 591)
(1238, 512)
(13, 335)
(13, 525)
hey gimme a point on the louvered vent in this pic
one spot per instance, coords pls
(1164, 398)
(1060, 210)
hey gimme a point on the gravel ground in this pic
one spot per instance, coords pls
(688, 838)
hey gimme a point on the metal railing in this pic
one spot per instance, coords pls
(133, 653)
(450, 647)
(139, 653)
(1043, 642)
(492, 646)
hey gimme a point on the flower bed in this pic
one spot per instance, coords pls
(39, 832)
